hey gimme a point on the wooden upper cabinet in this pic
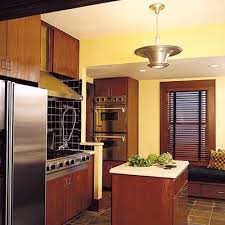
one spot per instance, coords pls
(65, 54)
(111, 87)
(23, 48)
(3, 43)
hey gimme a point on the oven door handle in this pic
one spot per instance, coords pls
(111, 137)
(112, 108)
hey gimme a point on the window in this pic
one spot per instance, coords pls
(188, 119)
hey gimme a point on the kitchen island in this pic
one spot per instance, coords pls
(149, 195)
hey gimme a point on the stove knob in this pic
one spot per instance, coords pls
(52, 167)
(72, 161)
(87, 157)
(48, 169)
(67, 162)
(83, 159)
(59, 165)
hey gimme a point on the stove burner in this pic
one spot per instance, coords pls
(61, 153)
(65, 159)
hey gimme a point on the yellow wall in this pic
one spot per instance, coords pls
(149, 115)
(204, 41)
(196, 42)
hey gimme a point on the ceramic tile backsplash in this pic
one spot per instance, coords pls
(55, 112)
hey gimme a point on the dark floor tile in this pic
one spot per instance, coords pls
(199, 220)
(200, 213)
(217, 222)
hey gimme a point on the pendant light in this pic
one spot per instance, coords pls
(158, 54)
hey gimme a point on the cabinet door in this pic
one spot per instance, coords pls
(107, 177)
(3, 45)
(54, 201)
(111, 86)
(119, 86)
(90, 181)
(80, 191)
(23, 48)
(102, 87)
(65, 54)
(180, 210)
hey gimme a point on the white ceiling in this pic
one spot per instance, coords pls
(179, 68)
(127, 16)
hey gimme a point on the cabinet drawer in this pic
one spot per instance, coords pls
(213, 191)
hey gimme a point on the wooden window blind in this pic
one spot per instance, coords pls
(188, 120)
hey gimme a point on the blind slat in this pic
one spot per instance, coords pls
(187, 124)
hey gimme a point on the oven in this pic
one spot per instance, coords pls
(110, 114)
(115, 146)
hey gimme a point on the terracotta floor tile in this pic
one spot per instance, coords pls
(200, 213)
(219, 209)
(218, 216)
(202, 207)
(217, 222)
(204, 203)
(199, 220)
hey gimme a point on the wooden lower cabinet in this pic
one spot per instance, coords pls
(107, 177)
(142, 200)
(69, 195)
(180, 210)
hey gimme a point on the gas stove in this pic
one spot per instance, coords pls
(65, 159)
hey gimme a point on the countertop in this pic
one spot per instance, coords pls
(89, 151)
(152, 171)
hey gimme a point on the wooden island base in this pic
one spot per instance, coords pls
(143, 200)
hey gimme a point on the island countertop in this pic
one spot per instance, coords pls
(152, 171)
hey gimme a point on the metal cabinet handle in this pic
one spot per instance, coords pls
(3, 64)
(111, 108)
(9, 65)
(220, 192)
(111, 137)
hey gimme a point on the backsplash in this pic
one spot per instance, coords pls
(55, 112)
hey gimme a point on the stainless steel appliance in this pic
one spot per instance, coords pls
(110, 114)
(115, 145)
(23, 145)
(63, 159)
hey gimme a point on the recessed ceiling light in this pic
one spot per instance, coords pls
(213, 66)
(142, 71)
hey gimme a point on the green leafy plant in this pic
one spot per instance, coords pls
(152, 159)
(137, 161)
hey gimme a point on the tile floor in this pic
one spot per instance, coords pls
(201, 212)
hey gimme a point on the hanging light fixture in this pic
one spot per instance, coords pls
(158, 54)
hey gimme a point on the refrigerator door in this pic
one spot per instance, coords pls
(29, 132)
(2, 153)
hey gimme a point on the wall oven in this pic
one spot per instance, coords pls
(110, 114)
(115, 146)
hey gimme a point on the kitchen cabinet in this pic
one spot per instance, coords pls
(65, 54)
(54, 201)
(149, 200)
(111, 86)
(59, 52)
(107, 177)
(20, 48)
(69, 195)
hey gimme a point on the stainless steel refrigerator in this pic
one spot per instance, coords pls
(23, 122)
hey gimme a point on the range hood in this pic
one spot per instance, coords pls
(56, 88)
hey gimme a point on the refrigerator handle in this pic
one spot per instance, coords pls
(9, 152)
